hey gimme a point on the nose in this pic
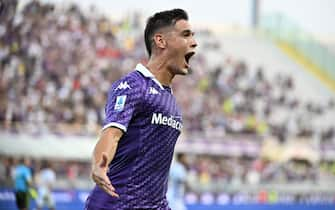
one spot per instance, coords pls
(194, 44)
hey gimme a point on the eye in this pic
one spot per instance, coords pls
(187, 33)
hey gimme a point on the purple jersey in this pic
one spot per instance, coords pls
(148, 114)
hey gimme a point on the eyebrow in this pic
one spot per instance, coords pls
(187, 31)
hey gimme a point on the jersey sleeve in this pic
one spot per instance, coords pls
(123, 103)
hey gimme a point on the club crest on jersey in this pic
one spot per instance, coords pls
(123, 86)
(153, 91)
(120, 102)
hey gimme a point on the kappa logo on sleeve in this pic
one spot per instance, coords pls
(123, 86)
(120, 102)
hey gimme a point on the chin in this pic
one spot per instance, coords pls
(183, 71)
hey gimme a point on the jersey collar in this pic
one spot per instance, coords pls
(145, 72)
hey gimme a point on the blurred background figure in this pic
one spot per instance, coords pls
(22, 176)
(2, 171)
(177, 182)
(45, 182)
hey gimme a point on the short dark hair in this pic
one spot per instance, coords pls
(161, 20)
(45, 164)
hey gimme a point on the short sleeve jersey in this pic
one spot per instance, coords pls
(148, 115)
(22, 175)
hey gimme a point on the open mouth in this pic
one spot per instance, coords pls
(188, 57)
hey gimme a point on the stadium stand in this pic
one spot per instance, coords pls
(266, 123)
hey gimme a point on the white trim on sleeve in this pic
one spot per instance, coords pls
(115, 124)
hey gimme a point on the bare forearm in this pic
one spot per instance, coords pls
(103, 154)
(104, 146)
(107, 144)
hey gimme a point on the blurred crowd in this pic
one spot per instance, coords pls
(57, 64)
(69, 173)
(211, 173)
(205, 173)
(232, 98)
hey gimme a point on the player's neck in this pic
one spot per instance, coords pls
(158, 67)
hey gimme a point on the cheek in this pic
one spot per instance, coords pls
(178, 44)
(175, 47)
(176, 51)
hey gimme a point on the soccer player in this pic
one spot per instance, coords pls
(177, 181)
(131, 160)
(45, 181)
(22, 180)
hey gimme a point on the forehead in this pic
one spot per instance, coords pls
(182, 25)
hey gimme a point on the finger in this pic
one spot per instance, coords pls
(108, 190)
(103, 180)
(114, 194)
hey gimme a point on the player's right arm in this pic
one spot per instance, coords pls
(103, 154)
(123, 101)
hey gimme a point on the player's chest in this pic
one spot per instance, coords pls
(157, 100)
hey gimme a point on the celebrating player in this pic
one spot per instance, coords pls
(131, 160)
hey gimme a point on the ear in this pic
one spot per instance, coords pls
(159, 41)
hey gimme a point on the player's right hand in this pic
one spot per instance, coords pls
(99, 176)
